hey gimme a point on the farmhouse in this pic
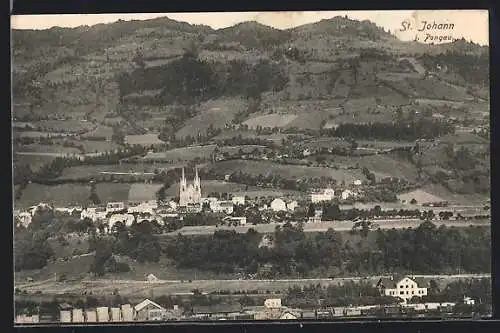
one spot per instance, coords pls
(278, 205)
(149, 310)
(240, 200)
(327, 195)
(404, 288)
(112, 207)
(143, 208)
(469, 301)
(93, 213)
(221, 206)
(347, 194)
(272, 303)
(151, 278)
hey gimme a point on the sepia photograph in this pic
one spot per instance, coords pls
(194, 167)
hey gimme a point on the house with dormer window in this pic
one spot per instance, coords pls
(404, 288)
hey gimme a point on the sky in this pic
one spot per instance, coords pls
(469, 24)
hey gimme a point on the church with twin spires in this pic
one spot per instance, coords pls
(190, 194)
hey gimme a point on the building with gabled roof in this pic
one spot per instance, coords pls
(404, 288)
(149, 310)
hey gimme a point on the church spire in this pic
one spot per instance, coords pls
(183, 179)
(196, 178)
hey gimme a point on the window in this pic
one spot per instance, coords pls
(412, 292)
(401, 292)
(407, 292)
(406, 286)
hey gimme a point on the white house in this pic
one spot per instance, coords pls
(221, 206)
(327, 195)
(93, 213)
(405, 288)
(291, 205)
(151, 278)
(173, 205)
(103, 314)
(23, 219)
(347, 194)
(278, 205)
(239, 200)
(116, 315)
(68, 210)
(469, 301)
(144, 207)
(357, 182)
(272, 303)
(112, 207)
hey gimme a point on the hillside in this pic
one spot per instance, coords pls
(183, 84)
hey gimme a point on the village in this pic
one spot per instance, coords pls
(233, 211)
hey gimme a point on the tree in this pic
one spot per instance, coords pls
(101, 257)
(311, 210)
(94, 197)
(31, 252)
(118, 137)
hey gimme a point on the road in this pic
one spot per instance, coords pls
(323, 226)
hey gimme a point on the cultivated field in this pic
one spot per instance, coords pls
(463, 138)
(34, 161)
(100, 131)
(91, 146)
(65, 126)
(113, 191)
(464, 199)
(56, 149)
(60, 195)
(276, 138)
(420, 196)
(324, 143)
(70, 194)
(143, 192)
(311, 120)
(286, 171)
(77, 267)
(143, 139)
(38, 134)
(383, 165)
(245, 149)
(433, 88)
(183, 154)
(270, 120)
(382, 145)
(87, 171)
(215, 113)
